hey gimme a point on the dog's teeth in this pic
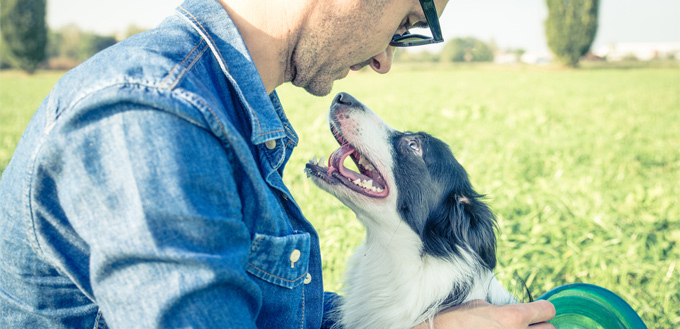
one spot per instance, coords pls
(367, 184)
(363, 161)
(314, 160)
(321, 162)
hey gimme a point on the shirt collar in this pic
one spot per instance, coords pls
(215, 26)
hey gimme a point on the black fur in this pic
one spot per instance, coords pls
(438, 202)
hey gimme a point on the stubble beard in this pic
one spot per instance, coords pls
(314, 66)
(309, 69)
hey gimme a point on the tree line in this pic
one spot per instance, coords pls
(26, 43)
(458, 50)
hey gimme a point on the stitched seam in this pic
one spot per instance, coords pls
(48, 113)
(206, 34)
(30, 221)
(302, 323)
(283, 155)
(223, 61)
(224, 131)
(96, 320)
(257, 243)
(181, 74)
(112, 84)
(179, 64)
(134, 84)
(259, 127)
(290, 131)
(278, 277)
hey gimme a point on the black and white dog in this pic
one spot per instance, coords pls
(430, 242)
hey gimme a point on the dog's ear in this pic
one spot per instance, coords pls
(461, 223)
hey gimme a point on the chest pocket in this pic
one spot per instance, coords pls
(280, 260)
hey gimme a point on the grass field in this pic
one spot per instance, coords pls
(582, 167)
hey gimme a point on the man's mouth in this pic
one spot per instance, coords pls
(359, 66)
(368, 181)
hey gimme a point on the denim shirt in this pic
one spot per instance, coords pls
(147, 192)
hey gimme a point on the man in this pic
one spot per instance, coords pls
(146, 191)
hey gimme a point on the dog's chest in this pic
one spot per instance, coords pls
(392, 290)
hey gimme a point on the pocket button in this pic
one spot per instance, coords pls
(308, 279)
(294, 257)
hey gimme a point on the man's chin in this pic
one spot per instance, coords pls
(316, 87)
(319, 90)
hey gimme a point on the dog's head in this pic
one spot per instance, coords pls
(404, 177)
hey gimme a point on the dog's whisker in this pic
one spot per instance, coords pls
(394, 233)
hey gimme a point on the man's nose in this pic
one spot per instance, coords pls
(382, 62)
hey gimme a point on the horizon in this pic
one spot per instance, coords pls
(511, 25)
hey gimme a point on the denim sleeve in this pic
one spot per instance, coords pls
(331, 311)
(153, 202)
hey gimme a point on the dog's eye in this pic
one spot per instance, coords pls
(414, 145)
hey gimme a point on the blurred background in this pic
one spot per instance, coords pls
(493, 31)
(568, 123)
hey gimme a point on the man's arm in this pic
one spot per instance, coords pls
(154, 199)
(480, 314)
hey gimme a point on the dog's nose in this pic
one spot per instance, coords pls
(345, 99)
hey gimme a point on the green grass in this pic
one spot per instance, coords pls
(582, 167)
(20, 96)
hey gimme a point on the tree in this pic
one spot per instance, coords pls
(570, 28)
(24, 32)
(70, 46)
(466, 50)
(94, 43)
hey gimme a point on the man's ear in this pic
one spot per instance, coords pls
(461, 223)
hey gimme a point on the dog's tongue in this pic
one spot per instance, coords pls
(336, 160)
(338, 156)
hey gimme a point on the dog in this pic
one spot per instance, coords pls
(430, 241)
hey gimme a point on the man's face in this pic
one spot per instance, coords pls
(350, 35)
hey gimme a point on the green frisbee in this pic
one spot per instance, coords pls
(586, 306)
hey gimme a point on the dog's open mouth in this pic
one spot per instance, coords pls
(368, 181)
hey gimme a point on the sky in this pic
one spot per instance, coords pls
(516, 24)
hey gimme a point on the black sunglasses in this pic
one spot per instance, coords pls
(408, 40)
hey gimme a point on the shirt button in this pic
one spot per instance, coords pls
(308, 279)
(270, 144)
(294, 257)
